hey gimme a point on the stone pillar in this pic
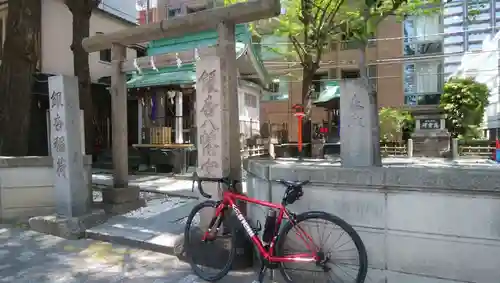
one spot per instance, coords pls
(431, 138)
(355, 132)
(229, 82)
(178, 118)
(72, 195)
(119, 118)
(212, 117)
(140, 121)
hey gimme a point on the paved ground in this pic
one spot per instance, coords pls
(27, 256)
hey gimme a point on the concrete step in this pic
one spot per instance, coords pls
(158, 227)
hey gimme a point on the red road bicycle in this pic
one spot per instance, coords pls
(273, 248)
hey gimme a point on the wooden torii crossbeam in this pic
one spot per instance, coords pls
(223, 20)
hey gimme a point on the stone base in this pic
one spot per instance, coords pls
(431, 144)
(120, 195)
(124, 207)
(68, 228)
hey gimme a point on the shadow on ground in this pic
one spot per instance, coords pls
(27, 256)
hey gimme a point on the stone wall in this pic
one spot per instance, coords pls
(27, 186)
(438, 225)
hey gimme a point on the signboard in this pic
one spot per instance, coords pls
(430, 124)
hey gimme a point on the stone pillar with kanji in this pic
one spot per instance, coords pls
(71, 193)
(211, 119)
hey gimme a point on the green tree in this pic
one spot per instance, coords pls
(393, 123)
(81, 11)
(464, 101)
(309, 25)
(20, 58)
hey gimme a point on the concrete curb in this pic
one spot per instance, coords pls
(175, 250)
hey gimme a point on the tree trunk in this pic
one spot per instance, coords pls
(19, 62)
(373, 107)
(307, 80)
(81, 11)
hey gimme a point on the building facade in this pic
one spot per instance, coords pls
(56, 34)
(435, 45)
(465, 31)
(385, 62)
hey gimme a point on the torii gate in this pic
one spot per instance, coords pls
(224, 20)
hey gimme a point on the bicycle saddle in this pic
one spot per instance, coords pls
(295, 184)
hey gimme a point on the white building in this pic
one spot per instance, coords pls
(56, 35)
(483, 66)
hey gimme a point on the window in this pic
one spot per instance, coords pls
(422, 28)
(274, 87)
(423, 48)
(104, 55)
(423, 82)
(173, 12)
(350, 74)
(250, 100)
(275, 97)
(319, 81)
(475, 46)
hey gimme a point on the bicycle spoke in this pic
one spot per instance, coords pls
(340, 253)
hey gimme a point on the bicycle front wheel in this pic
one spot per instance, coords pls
(210, 259)
(343, 254)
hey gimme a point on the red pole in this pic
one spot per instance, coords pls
(300, 132)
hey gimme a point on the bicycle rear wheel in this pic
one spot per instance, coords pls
(349, 263)
(210, 259)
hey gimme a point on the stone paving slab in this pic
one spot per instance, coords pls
(158, 227)
(172, 186)
(152, 183)
(31, 257)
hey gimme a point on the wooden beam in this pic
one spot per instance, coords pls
(191, 23)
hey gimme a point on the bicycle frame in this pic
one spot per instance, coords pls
(229, 200)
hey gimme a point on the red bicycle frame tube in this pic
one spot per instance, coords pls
(229, 200)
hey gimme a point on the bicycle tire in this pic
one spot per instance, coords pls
(187, 245)
(363, 257)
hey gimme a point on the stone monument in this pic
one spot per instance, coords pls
(73, 198)
(355, 125)
(430, 138)
(66, 147)
(212, 117)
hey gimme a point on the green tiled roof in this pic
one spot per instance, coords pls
(195, 40)
(331, 91)
(187, 72)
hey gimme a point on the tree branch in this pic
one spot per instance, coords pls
(301, 52)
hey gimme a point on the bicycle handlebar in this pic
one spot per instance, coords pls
(199, 179)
